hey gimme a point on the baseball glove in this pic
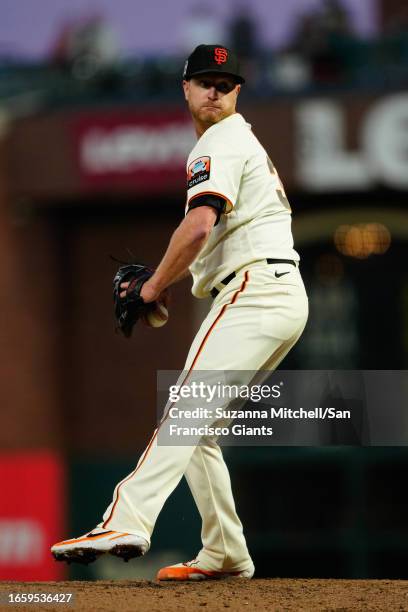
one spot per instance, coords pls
(131, 308)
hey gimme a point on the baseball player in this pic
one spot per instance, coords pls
(236, 242)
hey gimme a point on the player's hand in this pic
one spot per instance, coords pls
(148, 293)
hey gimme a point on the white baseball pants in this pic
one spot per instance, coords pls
(252, 325)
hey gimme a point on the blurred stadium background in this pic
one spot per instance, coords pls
(93, 141)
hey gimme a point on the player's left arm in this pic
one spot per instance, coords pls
(184, 246)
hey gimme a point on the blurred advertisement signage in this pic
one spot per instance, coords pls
(133, 149)
(325, 162)
(31, 515)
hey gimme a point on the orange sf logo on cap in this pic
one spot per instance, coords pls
(220, 55)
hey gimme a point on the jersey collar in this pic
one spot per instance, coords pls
(234, 118)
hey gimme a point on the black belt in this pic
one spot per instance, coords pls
(214, 292)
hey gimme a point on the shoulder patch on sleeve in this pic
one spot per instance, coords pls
(198, 171)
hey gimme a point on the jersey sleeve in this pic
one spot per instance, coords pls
(218, 203)
(216, 172)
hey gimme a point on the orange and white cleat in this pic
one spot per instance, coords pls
(192, 571)
(89, 547)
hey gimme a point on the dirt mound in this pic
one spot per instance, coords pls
(276, 594)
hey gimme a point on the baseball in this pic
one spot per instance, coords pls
(157, 317)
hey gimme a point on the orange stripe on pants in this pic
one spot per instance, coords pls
(199, 351)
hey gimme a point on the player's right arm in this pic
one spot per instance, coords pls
(184, 246)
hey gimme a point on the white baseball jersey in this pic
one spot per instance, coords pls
(252, 324)
(229, 161)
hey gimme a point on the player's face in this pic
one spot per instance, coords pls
(211, 97)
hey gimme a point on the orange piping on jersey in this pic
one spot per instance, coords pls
(221, 313)
(211, 193)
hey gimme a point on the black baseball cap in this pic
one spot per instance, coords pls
(212, 58)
